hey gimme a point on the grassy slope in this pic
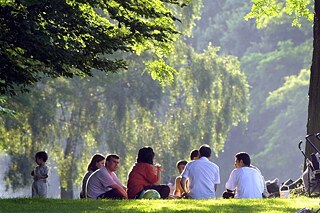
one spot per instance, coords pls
(132, 206)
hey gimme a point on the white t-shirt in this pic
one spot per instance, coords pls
(100, 181)
(203, 175)
(247, 182)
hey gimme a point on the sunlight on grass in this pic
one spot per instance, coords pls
(132, 206)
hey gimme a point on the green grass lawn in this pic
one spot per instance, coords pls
(132, 206)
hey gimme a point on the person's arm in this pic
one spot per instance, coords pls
(158, 171)
(263, 185)
(184, 187)
(217, 178)
(124, 188)
(184, 181)
(39, 177)
(42, 177)
(120, 189)
(231, 184)
(43, 173)
(118, 182)
(116, 179)
(177, 190)
(150, 175)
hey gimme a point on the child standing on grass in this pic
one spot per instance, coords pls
(40, 175)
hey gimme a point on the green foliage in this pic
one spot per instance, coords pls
(222, 25)
(278, 106)
(122, 112)
(287, 127)
(259, 67)
(218, 92)
(265, 10)
(5, 110)
(266, 56)
(160, 71)
(25, 133)
(291, 85)
(73, 38)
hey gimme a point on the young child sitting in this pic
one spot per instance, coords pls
(178, 190)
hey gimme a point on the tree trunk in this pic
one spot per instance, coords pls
(70, 152)
(67, 192)
(313, 125)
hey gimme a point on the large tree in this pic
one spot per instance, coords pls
(313, 125)
(68, 38)
(264, 11)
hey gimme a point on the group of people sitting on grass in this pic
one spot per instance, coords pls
(198, 178)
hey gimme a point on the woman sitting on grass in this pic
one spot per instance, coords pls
(144, 175)
(97, 162)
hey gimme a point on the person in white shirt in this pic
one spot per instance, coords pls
(203, 176)
(245, 181)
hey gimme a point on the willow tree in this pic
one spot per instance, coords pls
(25, 133)
(74, 38)
(131, 110)
(264, 11)
(209, 95)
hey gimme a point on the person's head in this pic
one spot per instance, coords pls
(97, 162)
(41, 157)
(205, 151)
(194, 154)
(180, 165)
(145, 155)
(112, 162)
(242, 159)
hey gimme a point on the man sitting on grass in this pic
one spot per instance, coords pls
(104, 183)
(203, 176)
(245, 181)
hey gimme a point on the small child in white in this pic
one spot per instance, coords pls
(40, 175)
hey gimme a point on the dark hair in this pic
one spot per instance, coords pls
(94, 160)
(205, 150)
(182, 162)
(115, 156)
(42, 155)
(194, 153)
(145, 155)
(244, 157)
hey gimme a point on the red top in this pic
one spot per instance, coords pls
(141, 174)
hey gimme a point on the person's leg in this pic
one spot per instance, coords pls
(112, 194)
(34, 189)
(42, 189)
(163, 189)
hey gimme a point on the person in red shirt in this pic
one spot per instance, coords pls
(144, 175)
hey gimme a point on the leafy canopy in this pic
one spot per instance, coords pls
(73, 37)
(265, 10)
